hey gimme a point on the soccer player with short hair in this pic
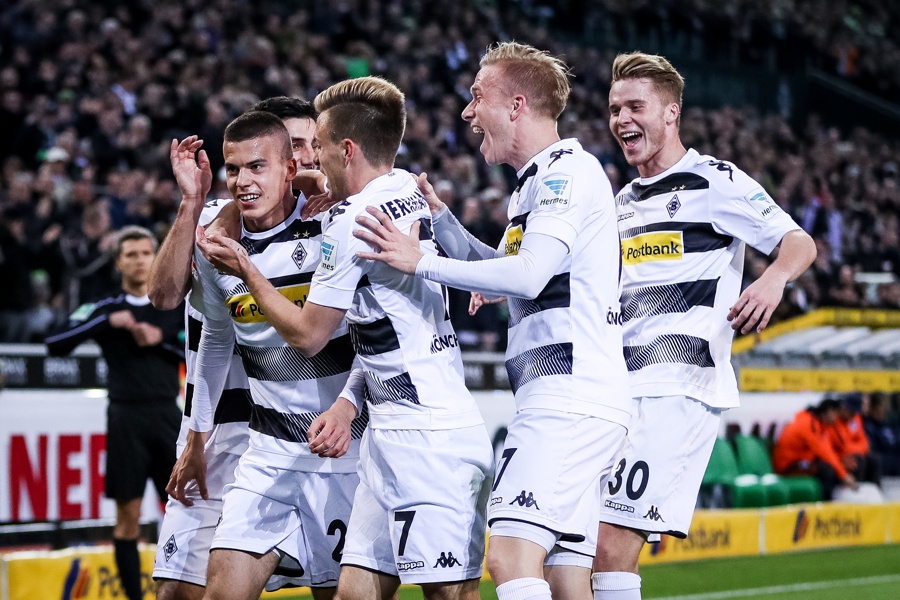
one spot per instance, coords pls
(684, 224)
(142, 349)
(419, 512)
(559, 267)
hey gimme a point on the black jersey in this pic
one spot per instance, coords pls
(136, 374)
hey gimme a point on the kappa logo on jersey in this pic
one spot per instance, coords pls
(329, 255)
(561, 189)
(650, 247)
(526, 501)
(654, 515)
(625, 216)
(513, 240)
(244, 309)
(721, 165)
(762, 203)
(299, 255)
(497, 500)
(673, 206)
(410, 566)
(170, 548)
(445, 560)
(618, 506)
(558, 154)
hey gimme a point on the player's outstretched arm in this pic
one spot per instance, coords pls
(755, 306)
(171, 270)
(190, 466)
(307, 329)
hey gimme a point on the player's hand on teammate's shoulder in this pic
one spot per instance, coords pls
(224, 253)
(227, 222)
(435, 204)
(311, 182)
(190, 165)
(400, 251)
(329, 433)
(316, 204)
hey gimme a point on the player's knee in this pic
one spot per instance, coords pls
(617, 549)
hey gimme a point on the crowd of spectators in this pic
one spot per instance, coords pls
(91, 95)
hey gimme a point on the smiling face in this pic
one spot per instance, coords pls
(489, 114)
(258, 177)
(302, 131)
(644, 122)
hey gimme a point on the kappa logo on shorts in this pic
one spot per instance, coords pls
(446, 560)
(654, 515)
(526, 501)
(409, 566)
(170, 548)
(496, 500)
(617, 506)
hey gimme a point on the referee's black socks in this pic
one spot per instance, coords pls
(128, 562)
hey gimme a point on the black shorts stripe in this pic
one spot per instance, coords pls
(296, 231)
(399, 388)
(679, 349)
(553, 359)
(194, 330)
(287, 364)
(676, 182)
(653, 300)
(556, 294)
(292, 427)
(698, 237)
(377, 337)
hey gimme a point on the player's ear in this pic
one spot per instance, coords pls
(672, 113)
(349, 149)
(519, 103)
(291, 169)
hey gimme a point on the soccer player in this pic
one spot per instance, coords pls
(193, 511)
(141, 346)
(419, 512)
(559, 267)
(683, 224)
(294, 484)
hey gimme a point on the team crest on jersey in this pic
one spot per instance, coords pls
(299, 255)
(243, 308)
(673, 206)
(651, 247)
(762, 203)
(329, 255)
(513, 240)
(555, 190)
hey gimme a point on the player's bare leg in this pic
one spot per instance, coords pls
(323, 593)
(167, 589)
(568, 582)
(236, 575)
(458, 590)
(356, 583)
(518, 565)
(616, 564)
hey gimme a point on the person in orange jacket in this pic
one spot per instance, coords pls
(849, 439)
(805, 448)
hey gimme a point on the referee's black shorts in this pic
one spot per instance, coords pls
(140, 443)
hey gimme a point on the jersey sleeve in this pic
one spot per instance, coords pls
(206, 296)
(87, 322)
(742, 208)
(336, 278)
(213, 361)
(564, 198)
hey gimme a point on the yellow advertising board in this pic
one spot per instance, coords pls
(803, 527)
(799, 380)
(893, 522)
(714, 533)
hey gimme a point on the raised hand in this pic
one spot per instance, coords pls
(190, 166)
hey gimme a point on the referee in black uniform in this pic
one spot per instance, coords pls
(143, 350)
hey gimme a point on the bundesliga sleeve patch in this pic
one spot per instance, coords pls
(762, 203)
(329, 255)
(555, 190)
(82, 312)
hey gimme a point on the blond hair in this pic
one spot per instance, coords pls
(540, 76)
(368, 110)
(637, 65)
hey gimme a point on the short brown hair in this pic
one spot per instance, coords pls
(255, 124)
(637, 65)
(542, 77)
(133, 232)
(368, 110)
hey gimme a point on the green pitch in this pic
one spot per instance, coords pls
(868, 572)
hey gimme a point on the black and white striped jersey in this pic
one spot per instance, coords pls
(288, 389)
(565, 345)
(400, 326)
(683, 234)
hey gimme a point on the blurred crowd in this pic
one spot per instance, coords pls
(92, 93)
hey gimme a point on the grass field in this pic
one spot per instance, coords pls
(860, 573)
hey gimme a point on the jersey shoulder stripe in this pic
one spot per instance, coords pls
(676, 182)
(552, 359)
(295, 231)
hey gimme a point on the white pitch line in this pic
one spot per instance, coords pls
(781, 589)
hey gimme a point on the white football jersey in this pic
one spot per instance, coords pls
(288, 389)
(399, 323)
(683, 234)
(565, 345)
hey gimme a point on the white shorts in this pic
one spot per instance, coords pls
(302, 516)
(186, 532)
(549, 476)
(419, 511)
(654, 485)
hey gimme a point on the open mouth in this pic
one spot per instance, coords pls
(477, 129)
(630, 138)
(248, 198)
